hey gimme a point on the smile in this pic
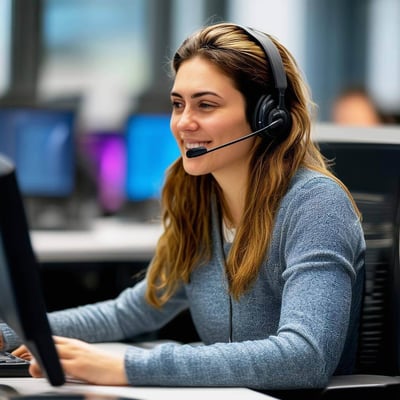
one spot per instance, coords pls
(195, 145)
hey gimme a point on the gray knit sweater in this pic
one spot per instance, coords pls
(295, 327)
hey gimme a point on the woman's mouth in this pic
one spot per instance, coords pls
(195, 145)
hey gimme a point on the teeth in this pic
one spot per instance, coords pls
(195, 145)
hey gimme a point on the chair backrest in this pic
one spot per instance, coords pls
(372, 173)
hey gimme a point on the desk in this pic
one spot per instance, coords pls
(106, 240)
(35, 386)
(29, 386)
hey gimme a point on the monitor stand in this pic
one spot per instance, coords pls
(76, 211)
(60, 213)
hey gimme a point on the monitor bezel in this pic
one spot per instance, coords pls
(22, 304)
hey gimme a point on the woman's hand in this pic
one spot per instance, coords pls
(22, 352)
(85, 362)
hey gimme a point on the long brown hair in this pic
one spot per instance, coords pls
(186, 200)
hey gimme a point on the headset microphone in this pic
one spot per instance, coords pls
(199, 151)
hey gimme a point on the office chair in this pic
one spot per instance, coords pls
(372, 173)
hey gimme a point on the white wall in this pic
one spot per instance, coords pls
(187, 17)
(5, 31)
(384, 54)
(283, 19)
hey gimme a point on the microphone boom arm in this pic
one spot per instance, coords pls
(199, 151)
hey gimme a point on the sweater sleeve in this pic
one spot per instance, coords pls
(122, 318)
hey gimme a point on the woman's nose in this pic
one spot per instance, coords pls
(187, 121)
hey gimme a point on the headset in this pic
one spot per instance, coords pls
(271, 108)
(271, 120)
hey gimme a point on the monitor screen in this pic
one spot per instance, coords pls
(40, 142)
(151, 149)
(105, 154)
(22, 304)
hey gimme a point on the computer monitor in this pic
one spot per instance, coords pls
(151, 149)
(40, 142)
(22, 304)
(105, 156)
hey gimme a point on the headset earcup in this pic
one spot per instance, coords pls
(282, 131)
(263, 108)
(267, 112)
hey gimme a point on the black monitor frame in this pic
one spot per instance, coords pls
(22, 304)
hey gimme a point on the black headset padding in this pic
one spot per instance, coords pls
(265, 113)
(268, 109)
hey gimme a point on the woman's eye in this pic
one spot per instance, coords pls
(176, 104)
(206, 105)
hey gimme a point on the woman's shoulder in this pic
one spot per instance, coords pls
(306, 178)
(319, 199)
(317, 187)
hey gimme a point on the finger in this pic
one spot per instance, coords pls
(61, 339)
(35, 370)
(26, 356)
(19, 350)
(22, 352)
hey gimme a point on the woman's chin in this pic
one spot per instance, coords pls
(194, 168)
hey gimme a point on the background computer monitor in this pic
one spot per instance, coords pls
(151, 149)
(40, 142)
(22, 305)
(105, 159)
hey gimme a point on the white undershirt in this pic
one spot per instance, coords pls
(228, 233)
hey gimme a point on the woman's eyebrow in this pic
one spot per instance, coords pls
(195, 95)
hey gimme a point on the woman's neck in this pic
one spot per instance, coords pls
(234, 192)
(233, 182)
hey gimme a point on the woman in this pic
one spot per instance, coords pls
(261, 242)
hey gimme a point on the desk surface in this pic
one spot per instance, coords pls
(31, 386)
(106, 240)
(27, 386)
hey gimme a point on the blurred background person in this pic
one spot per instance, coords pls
(354, 106)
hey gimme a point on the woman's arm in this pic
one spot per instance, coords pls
(122, 318)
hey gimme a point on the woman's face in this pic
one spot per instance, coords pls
(209, 111)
